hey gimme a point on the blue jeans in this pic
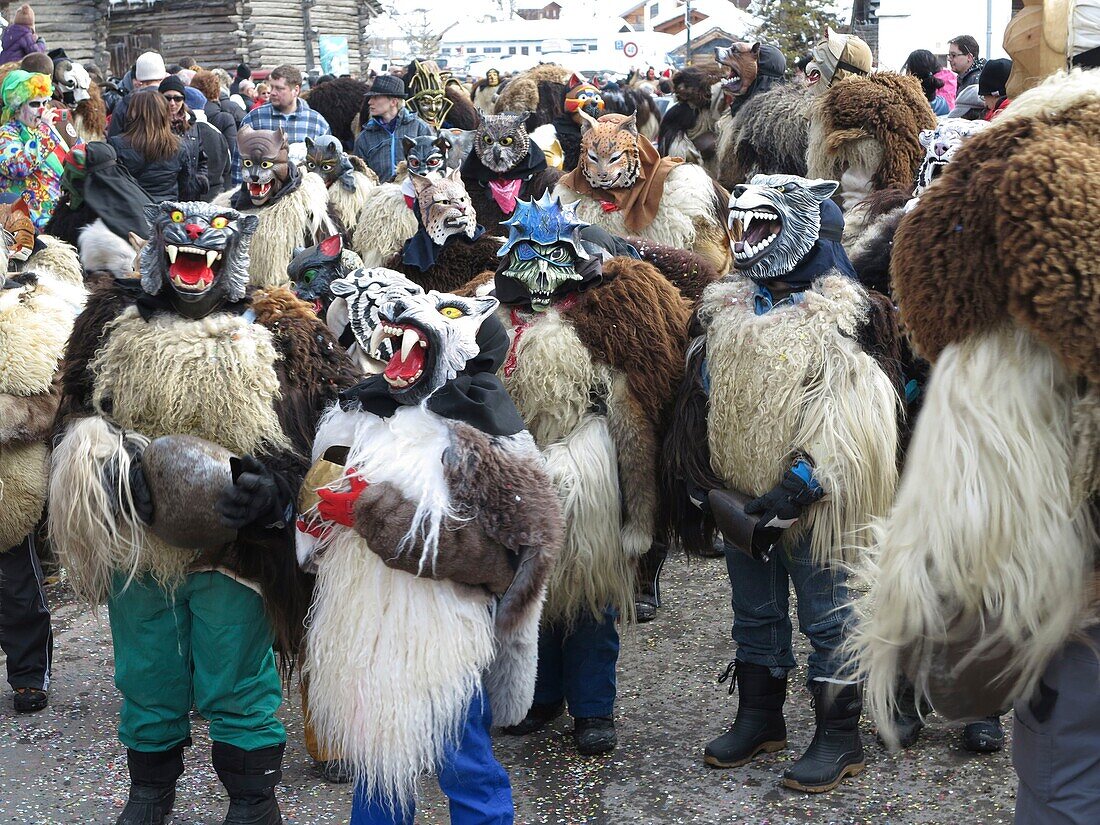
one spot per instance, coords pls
(475, 783)
(577, 664)
(761, 609)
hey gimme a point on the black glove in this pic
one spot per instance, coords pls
(784, 504)
(139, 490)
(256, 497)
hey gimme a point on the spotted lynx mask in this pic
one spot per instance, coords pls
(325, 157)
(427, 153)
(501, 141)
(774, 221)
(265, 162)
(445, 206)
(198, 252)
(609, 156)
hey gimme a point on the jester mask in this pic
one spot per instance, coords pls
(197, 255)
(265, 165)
(428, 95)
(325, 157)
(544, 257)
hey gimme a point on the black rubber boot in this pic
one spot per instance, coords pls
(836, 750)
(537, 718)
(594, 735)
(907, 718)
(984, 736)
(152, 785)
(250, 777)
(647, 591)
(759, 725)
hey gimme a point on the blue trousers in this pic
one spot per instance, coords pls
(577, 664)
(475, 783)
(761, 610)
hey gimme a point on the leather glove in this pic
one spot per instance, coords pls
(784, 504)
(140, 493)
(339, 506)
(255, 498)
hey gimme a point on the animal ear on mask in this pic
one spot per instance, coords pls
(309, 143)
(331, 247)
(521, 117)
(483, 307)
(454, 174)
(280, 137)
(153, 211)
(756, 49)
(443, 142)
(343, 286)
(407, 145)
(630, 125)
(822, 189)
(421, 183)
(587, 121)
(926, 137)
(247, 224)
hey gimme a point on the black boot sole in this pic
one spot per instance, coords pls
(848, 770)
(763, 747)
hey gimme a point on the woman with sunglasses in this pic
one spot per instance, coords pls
(32, 153)
(185, 125)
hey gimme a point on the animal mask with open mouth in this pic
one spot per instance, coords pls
(265, 162)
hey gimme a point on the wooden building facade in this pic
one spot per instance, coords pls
(215, 33)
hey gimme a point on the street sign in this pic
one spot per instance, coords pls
(630, 49)
(618, 44)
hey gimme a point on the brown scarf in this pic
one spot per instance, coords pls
(639, 202)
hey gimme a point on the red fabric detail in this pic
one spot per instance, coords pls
(410, 201)
(339, 507)
(505, 192)
(609, 206)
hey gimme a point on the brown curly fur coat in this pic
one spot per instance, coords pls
(687, 271)
(458, 263)
(1016, 237)
(886, 106)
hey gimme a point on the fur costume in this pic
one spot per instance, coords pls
(986, 565)
(314, 268)
(339, 102)
(137, 369)
(560, 140)
(689, 128)
(767, 136)
(865, 133)
(385, 223)
(627, 100)
(347, 177)
(292, 207)
(37, 308)
(686, 207)
(593, 369)
(539, 91)
(799, 378)
(484, 92)
(437, 574)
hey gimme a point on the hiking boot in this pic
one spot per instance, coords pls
(836, 750)
(29, 700)
(594, 735)
(908, 721)
(984, 736)
(759, 726)
(537, 718)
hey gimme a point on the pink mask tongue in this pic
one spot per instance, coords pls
(505, 193)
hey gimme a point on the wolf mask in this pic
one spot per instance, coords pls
(427, 153)
(325, 157)
(265, 162)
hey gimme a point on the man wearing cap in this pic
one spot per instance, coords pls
(286, 111)
(993, 86)
(149, 71)
(379, 144)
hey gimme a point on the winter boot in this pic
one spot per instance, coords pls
(250, 777)
(152, 785)
(836, 750)
(984, 736)
(594, 735)
(647, 591)
(759, 724)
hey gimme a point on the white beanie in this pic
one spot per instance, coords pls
(149, 66)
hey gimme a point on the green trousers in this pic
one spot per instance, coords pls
(207, 646)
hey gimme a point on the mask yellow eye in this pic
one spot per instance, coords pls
(177, 216)
(266, 164)
(220, 222)
(506, 141)
(451, 312)
(247, 164)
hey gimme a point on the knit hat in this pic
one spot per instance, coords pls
(149, 66)
(172, 84)
(195, 100)
(36, 63)
(244, 71)
(19, 87)
(994, 77)
(24, 16)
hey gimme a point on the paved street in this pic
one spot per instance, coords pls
(65, 765)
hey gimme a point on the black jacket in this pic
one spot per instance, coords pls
(219, 163)
(176, 178)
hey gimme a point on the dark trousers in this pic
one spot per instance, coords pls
(25, 633)
(577, 664)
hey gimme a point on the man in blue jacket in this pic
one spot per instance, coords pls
(379, 144)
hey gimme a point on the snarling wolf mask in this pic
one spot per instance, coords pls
(365, 291)
(427, 153)
(543, 249)
(445, 206)
(940, 145)
(199, 252)
(609, 156)
(265, 162)
(325, 157)
(741, 62)
(427, 94)
(313, 269)
(774, 221)
(501, 141)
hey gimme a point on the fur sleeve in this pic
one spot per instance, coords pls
(541, 183)
(30, 418)
(880, 338)
(690, 273)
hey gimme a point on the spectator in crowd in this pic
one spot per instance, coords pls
(962, 56)
(243, 73)
(922, 65)
(993, 86)
(220, 114)
(20, 38)
(202, 140)
(263, 95)
(286, 111)
(188, 63)
(32, 154)
(160, 162)
(148, 72)
(379, 143)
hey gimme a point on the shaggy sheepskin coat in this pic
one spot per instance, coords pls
(131, 379)
(397, 646)
(811, 377)
(34, 328)
(767, 136)
(298, 220)
(385, 222)
(690, 215)
(986, 566)
(593, 378)
(346, 205)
